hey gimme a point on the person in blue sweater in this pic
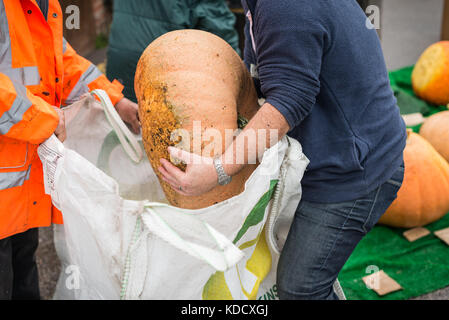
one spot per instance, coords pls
(324, 78)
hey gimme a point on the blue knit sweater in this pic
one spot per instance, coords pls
(320, 64)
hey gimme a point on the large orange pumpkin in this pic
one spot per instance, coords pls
(424, 195)
(430, 77)
(194, 81)
(436, 130)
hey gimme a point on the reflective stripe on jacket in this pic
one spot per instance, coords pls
(38, 70)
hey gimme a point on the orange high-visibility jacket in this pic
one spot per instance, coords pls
(38, 70)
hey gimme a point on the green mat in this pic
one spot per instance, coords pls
(401, 84)
(419, 267)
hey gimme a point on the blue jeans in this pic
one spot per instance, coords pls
(323, 236)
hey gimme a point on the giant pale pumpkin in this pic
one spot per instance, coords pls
(436, 130)
(191, 86)
(430, 77)
(424, 195)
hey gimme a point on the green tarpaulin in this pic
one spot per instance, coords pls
(419, 267)
(401, 84)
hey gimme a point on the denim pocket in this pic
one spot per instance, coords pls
(384, 197)
(371, 218)
(398, 177)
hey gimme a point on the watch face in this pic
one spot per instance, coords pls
(225, 180)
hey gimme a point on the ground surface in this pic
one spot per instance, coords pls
(408, 27)
(48, 263)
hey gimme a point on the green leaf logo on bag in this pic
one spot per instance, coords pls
(257, 266)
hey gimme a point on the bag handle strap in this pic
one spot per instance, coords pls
(162, 223)
(126, 137)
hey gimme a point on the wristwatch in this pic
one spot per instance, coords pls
(223, 178)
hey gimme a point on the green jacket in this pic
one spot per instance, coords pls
(137, 23)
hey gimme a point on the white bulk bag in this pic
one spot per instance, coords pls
(120, 239)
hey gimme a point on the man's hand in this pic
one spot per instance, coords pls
(128, 111)
(200, 175)
(60, 131)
